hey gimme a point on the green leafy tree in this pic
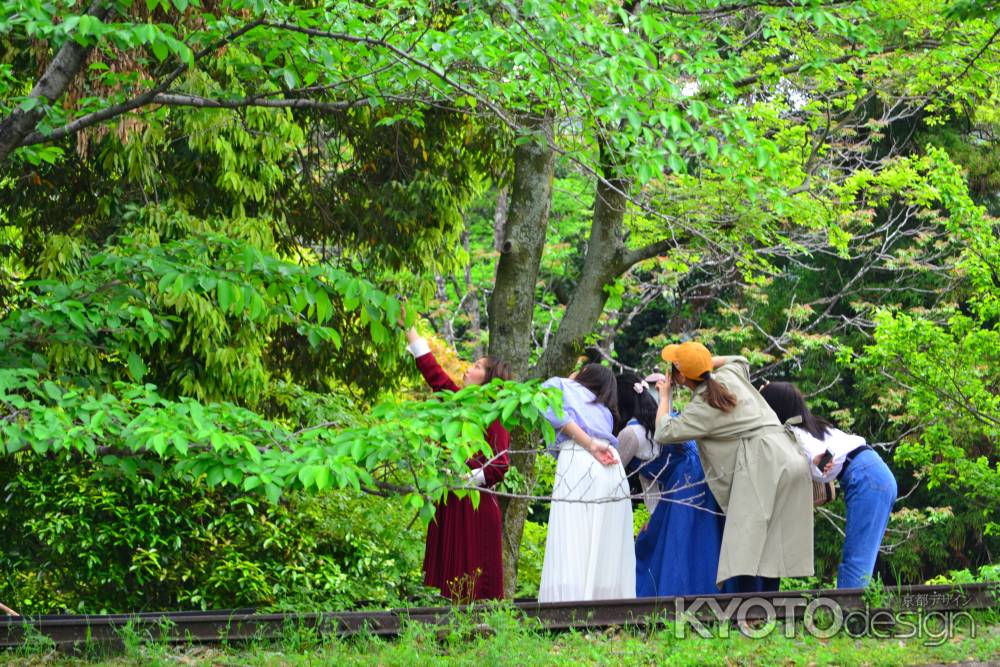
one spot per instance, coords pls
(944, 364)
(719, 134)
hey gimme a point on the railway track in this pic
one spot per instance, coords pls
(246, 624)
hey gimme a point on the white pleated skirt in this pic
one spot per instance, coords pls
(589, 552)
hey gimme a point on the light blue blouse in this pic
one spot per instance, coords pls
(579, 407)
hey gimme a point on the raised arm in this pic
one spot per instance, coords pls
(664, 407)
(688, 425)
(427, 364)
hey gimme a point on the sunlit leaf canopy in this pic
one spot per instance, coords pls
(669, 85)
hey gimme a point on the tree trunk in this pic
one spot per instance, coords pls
(512, 304)
(511, 307)
(604, 262)
(500, 217)
(50, 87)
(441, 294)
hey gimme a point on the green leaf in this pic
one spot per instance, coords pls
(322, 479)
(471, 432)
(677, 164)
(129, 466)
(52, 390)
(763, 157)
(136, 367)
(160, 50)
(233, 476)
(452, 430)
(159, 443)
(324, 309)
(215, 475)
(224, 294)
(273, 492)
(180, 442)
(358, 449)
(306, 475)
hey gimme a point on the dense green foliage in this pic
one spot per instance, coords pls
(167, 514)
(208, 222)
(80, 539)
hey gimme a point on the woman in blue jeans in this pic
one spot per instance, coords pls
(867, 483)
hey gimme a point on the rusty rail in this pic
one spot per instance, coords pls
(246, 624)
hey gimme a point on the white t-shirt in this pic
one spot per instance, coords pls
(839, 443)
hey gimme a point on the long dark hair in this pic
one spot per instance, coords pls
(600, 380)
(787, 401)
(641, 407)
(497, 368)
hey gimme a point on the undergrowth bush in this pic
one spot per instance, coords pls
(80, 540)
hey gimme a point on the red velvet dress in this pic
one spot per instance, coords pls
(463, 557)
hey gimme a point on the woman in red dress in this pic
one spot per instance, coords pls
(463, 556)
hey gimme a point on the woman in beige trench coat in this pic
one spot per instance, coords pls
(754, 467)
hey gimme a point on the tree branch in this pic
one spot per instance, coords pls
(723, 10)
(186, 100)
(793, 69)
(402, 54)
(141, 100)
(49, 88)
(636, 255)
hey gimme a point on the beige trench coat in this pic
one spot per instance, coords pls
(758, 474)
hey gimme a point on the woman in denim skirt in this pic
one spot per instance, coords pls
(866, 481)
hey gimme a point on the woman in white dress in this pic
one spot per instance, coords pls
(589, 554)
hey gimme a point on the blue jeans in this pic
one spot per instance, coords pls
(869, 492)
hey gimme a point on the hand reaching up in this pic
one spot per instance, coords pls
(411, 333)
(663, 386)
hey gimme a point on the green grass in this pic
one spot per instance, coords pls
(502, 639)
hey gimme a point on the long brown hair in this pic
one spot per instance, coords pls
(716, 393)
(497, 368)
